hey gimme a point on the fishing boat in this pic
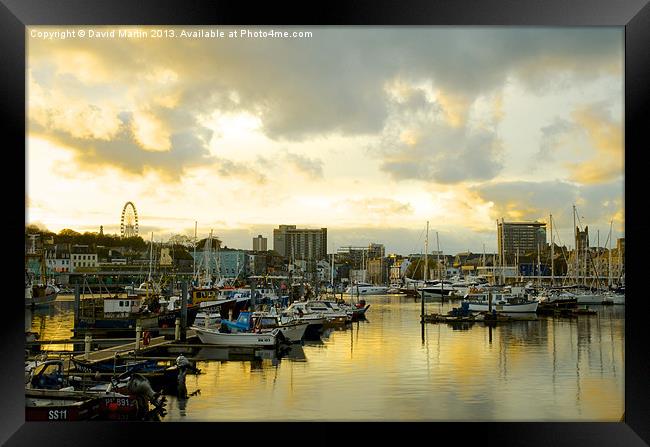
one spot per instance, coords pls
(240, 339)
(110, 366)
(51, 395)
(66, 405)
(111, 313)
(40, 294)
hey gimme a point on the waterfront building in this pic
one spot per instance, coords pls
(57, 259)
(323, 271)
(259, 243)
(518, 238)
(81, 257)
(300, 243)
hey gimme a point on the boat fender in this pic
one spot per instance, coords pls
(146, 338)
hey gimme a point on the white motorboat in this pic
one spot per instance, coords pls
(364, 288)
(394, 288)
(293, 330)
(437, 288)
(353, 311)
(247, 339)
(506, 302)
(326, 309)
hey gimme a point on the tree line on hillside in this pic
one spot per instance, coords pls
(103, 243)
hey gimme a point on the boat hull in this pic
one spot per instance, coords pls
(52, 405)
(374, 290)
(432, 291)
(40, 296)
(618, 299)
(295, 332)
(213, 337)
(593, 299)
(163, 320)
(505, 308)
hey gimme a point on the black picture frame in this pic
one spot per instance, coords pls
(634, 15)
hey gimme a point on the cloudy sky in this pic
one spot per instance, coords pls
(367, 131)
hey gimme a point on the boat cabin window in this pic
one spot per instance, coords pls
(121, 303)
(267, 322)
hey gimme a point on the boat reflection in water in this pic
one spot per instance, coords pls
(294, 352)
(394, 368)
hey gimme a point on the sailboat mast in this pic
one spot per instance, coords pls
(552, 251)
(620, 265)
(503, 250)
(194, 257)
(575, 241)
(517, 263)
(598, 258)
(150, 256)
(584, 262)
(609, 255)
(539, 264)
(426, 259)
(438, 256)
(483, 255)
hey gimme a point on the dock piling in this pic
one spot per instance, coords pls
(138, 334)
(177, 332)
(77, 300)
(183, 310)
(87, 342)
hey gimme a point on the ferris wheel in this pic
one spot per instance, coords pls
(129, 220)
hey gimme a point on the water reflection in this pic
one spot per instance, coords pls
(53, 322)
(397, 369)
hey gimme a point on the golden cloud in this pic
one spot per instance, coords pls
(606, 136)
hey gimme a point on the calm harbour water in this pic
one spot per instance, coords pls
(553, 369)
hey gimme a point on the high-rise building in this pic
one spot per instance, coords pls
(519, 238)
(259, 243)
(300, 243)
